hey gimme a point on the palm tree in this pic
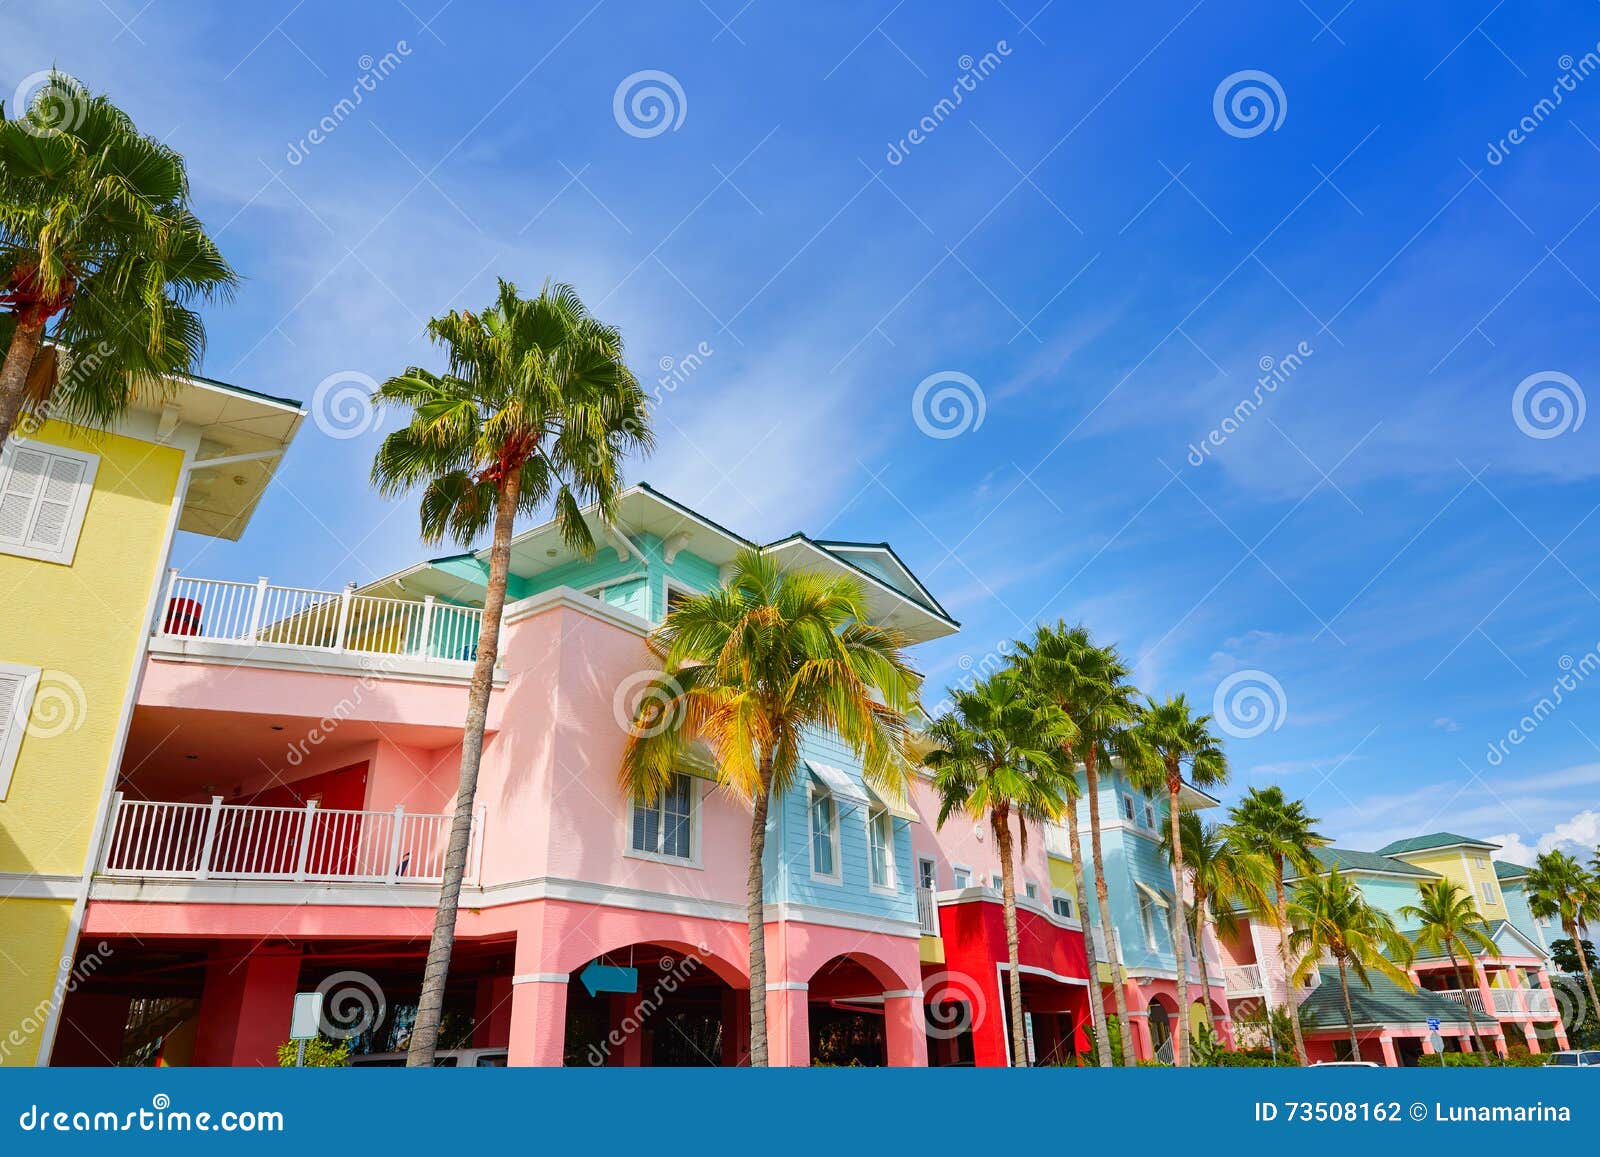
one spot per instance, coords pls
(1090, 685)
(536, 407)
(101, 258)
(1450, 924)
(1173, 736)
(1330, 917)
(1080, 891)
(1559, 889)
(1222, 877)
(750, 668)
(997, 757)
(1283, 832)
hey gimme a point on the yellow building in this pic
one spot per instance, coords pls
(1467, 862)
(87, 521)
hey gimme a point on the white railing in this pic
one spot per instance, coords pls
(217, 841)
(1057, 842)
(1539, 1002)
(1469, 998)
(1243, 977)
(927, 911)
(261, 614)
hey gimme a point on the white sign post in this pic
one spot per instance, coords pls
(304, 1023)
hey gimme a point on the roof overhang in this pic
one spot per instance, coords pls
(243, 436)
(890, 607)
(834, 781)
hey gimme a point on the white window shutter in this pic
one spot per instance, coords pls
(17, 687)
(22, 480)
(44, 491)
(59, 496)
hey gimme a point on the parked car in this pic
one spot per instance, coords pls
(443, 1059)
(1574, 1059)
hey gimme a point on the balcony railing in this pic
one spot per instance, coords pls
(217, 841)
(1468, 998)
(1539, 1002)
(927, 911)
(1243, 978)
(340, 622)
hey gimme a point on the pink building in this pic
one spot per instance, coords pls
(287, 786)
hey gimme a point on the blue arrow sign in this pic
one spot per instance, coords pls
(599, 978)
(1433, 1021)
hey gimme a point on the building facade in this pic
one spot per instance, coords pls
(86, 524)
(1509, 994)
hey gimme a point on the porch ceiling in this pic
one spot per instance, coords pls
(176, 753)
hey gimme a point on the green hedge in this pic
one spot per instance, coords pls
(1251, 1059)
(1520, 1058)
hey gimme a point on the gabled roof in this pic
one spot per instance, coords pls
(1433, 842)
(641, 509)
(1505, 871)
(1384, 1003)
(1350, 861)
(1500, 931)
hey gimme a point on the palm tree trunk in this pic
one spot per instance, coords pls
(1349, 1013)
(1180, 929)
(1291, 1006)
(1583, 963)
(1472, 1017)
(25, 340)
(756, 917)
(1097, 1000)
(430, 1006)
(1202, 921)
(1119, 979)
(1008, 904)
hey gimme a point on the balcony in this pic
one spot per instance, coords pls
(1468, 998)
(1057, 842)
(1505, 1002)
(215, 841)
(1242, 979)
(217, 618)
(927, 912)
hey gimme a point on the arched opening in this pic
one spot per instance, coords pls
(1160, 1020)
(846, 1013)
(658, 1005)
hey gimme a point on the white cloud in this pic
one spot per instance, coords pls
(1445, 723)
(1513, 849)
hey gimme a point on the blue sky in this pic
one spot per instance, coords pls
(1082, 237)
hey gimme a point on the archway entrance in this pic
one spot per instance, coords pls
(1160, 1031)
(655, 1005)
(846, 1014)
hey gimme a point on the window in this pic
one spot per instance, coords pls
(1127, 808)
(676, 597)
(1480, 862)
(44, 491)
(1031, 890)
(998, 883)
(1061, 905)
(1149, 815)
(927, 874)
(1147, 918)
(17, 685)
(962, 876)
(824, 836)
(880, 849)
(666, 827)
(1487, 891)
